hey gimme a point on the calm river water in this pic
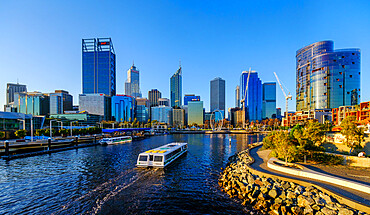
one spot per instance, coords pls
(104, 180)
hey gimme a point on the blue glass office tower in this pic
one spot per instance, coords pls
(123, 108)
(190, 97)
(253, 97)
(98, 66)
(217, 94)
(327, 78)
(269, 100)
(176, 88)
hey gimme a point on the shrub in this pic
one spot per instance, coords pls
(21, 133)
(2, 134)
(328, 159)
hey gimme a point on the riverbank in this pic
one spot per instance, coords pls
(275, 196)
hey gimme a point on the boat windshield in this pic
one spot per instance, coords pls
(143, 158)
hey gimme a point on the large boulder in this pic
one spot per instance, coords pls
(297, 210)
(328, 211)
(273, 193)
(305, 201)
(345, 211)
(308, 210)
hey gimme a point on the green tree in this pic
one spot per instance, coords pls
(2, 134)
(354, 136)
(314, 131)
(64, 132)
(40, 132)
(21, 133)
(284, 146)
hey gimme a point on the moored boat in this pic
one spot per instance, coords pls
(115, 140)
(161, 156)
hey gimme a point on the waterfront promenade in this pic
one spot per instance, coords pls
(260, 164)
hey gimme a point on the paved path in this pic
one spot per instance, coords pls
(260, 165)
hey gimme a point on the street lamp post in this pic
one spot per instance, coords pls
(51, 133)
(70, 127)
(31, 128)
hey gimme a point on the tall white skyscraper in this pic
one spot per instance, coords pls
(132, 84)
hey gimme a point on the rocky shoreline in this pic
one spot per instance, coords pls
(275, 196)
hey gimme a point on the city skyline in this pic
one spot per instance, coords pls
(244, 38)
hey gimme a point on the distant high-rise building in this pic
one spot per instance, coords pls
(176, 88)
(132, 84)
(123, 108)
(254, 95)
(98, 66)
(190, 97)
(163, 102)
(98, 104)
(217, 94)
(153, 96)
(237, 96)
(278, 113)
(327, 78)
(11, 89)
(60, 101)
(269, 100)
(195, 112)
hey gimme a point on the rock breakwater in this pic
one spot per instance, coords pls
(275, 196)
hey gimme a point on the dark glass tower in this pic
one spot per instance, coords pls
(176, 88)
(98, 66)
(327, 78)
(217, 92)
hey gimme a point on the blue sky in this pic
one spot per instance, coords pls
(40, 41)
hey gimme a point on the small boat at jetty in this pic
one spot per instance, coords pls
(161, 156)
(115, 140)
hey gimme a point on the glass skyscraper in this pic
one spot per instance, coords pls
(176, 88)
(327, 78)
(195, 112)
(269, 100)
(98, 66)
(162, 114)
(132, 84)
(217, 91)
(253, 98)
(123, 108)
(34, 103)
(11, 89)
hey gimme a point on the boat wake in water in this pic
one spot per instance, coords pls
(108, 190)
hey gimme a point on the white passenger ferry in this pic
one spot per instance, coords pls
(115, 140)
(161, 156)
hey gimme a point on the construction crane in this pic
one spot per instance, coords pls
(287, 97)
(245, 96)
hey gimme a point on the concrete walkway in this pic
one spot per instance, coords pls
(261, 158)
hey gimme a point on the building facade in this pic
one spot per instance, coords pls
(60, 101)
(253, 100)
(178, 118)
(217, 94)
(162, 114)
(269, 100)
(327, 78)
(83, 119)
(195, 112)
(176, 88)
(142, 112)
(123, 108)
(163, 102)
(97, 104)
(98, 66)
(153, 96)
(35, 103)
(132, 84)
(190, 97)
